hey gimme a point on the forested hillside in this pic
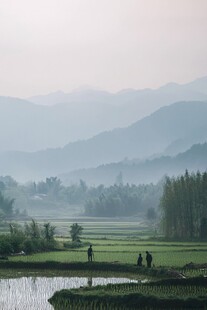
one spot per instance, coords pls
(183, 122)
(138, 172)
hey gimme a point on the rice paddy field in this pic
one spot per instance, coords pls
(147, 296)
(121, 242)
(164, 255)
(114, 243)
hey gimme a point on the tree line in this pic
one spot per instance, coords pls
(124, 200)
(116, 200)
(184, 207)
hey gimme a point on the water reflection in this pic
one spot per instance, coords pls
(90, 282)
(33, 292)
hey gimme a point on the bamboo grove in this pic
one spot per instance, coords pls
(184, 207)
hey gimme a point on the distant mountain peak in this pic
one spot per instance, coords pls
(169, 86)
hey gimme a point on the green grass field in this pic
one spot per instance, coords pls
(163, 255)
(121, 242)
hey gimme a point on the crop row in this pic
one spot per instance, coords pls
(160, 290)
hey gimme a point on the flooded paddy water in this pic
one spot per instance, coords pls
(33, 292)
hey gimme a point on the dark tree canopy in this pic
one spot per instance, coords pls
(184, 207)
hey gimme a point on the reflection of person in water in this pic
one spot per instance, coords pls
(89, 281)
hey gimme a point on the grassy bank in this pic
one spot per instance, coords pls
(168, 294)
(94, 267)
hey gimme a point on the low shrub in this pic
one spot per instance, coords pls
(5, 245)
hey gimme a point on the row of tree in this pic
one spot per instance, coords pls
(124, 200)
(117, 200)
(53, 188)
(184, 207)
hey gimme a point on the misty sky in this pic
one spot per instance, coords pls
(47, 45)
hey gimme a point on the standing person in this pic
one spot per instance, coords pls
(139, 260)
(148, 259)
(90, 253)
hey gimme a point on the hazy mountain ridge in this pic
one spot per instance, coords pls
(31, 127)
(152, 135)
(131, 104)
(195, 90)
(83, 114)
(147, 171)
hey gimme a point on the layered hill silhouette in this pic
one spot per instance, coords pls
(169, 130)
(149, 171)
(56, 119)
(25, 126)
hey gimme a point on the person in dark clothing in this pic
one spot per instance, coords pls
(148, 259)
(90, 253)
(139, 260)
